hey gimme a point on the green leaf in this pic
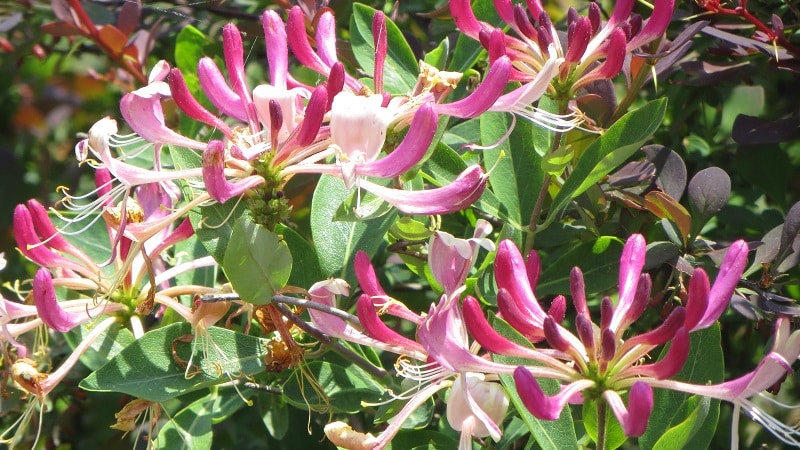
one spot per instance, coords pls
(257, 262)
(705, 365)
(274, 414)
(106, 346)
(517, 174)
(608, 152)
(337, 242)
(345, 388)
(400, 69)
(213, 225)
(189, 49)
(438, 56)
(680, 435)
(148, 369)
(190, 428)
(598, 259)
(305, 265)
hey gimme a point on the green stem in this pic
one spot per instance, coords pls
(602, 423)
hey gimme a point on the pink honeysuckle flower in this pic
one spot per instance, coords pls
(439, 358)
(49, 310)
(474, 407)
(599, 358)
(593, 51)
(27, 377)
(770, 372)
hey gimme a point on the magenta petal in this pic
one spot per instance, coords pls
(410, 151)
(45, 230)
(145, 116)
(298, 42)
(29, 244)
(459, 194)
(44, 297)
(218, 187)
(465, 19)
(615, 57)
(485, 95)
(366, 276)
(672, 363)
(505, 10)
(656, 25)
(697, 299)
(630, 268)
(189, 105)
(315, 114)
(518, 317)
(579, 39)
(375, 327)
(577, 288)
(277, 50)
(534, 398)
(381, 47)
(558, 309)
(511, 274)
(634, 418)
(326, 38)
(533, 267)
(730, 272)
(485, 335)
(663, 333)
(217, 90)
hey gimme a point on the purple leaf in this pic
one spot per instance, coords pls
(670, 169)
(709, 190)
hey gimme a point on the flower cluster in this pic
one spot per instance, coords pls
(188, 255)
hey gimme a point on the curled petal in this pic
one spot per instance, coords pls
(511, 274)
(477, 402)
(656, 25)
(663, 333)
(43, 227)
(145, 116)
(634, 418)
(51, 313)
(457, 195)
(410, 151)
(519, 317)
(486, 336)
(485, 95)
(672, 363)
(218, 187)
(541, 405)
(377, 329)
(189, 105)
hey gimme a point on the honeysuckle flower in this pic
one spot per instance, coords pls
(442, 349)
(470, 395)
(593, 51)
(27, 377)
(599, 359)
